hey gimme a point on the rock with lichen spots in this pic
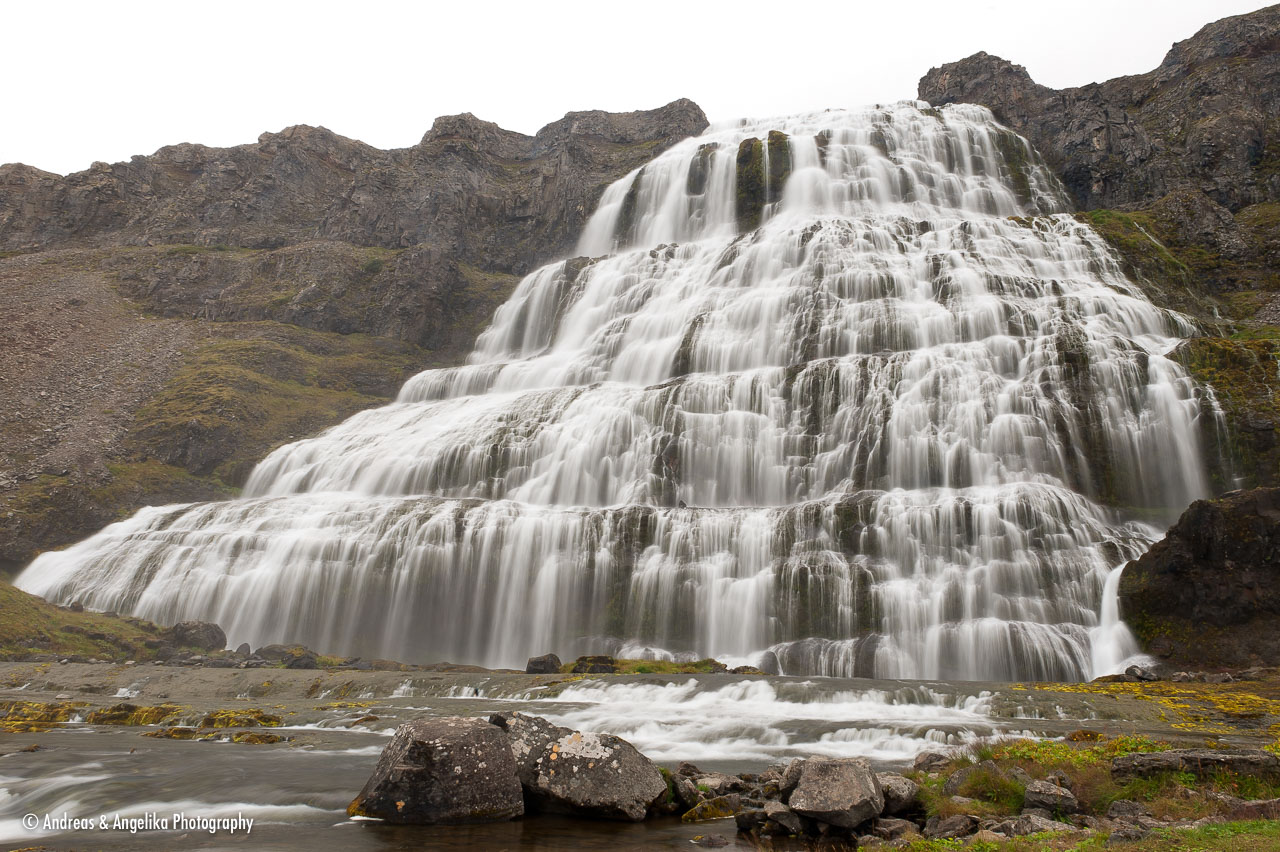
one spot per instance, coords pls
(448, 770)
(597, 775)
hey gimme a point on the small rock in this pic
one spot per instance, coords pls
(900, 793)
(892, 828)
(1140, 673)
(930, 761)
(785, 817)
(957, 779)
(1051, 797)
(63, 696)
(1126, 809)
(1059, 778)
(203, 635)
(595, 665)
(710, 841)
(1127, 834)
(960, 825)
(1032, 824)
(752, 819)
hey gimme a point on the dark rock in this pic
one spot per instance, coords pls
(1059, 778)
(720, 807)
(243, 650)
(292, 656)
(710, 841)
(841, 792)
(745, 670)
(1140, 673)
(1203, 763)
(597, 775)
(1213, 581)
(784, 817)
(900, 794)
(960, 825)
(892, 828)
(595, 665)
(445, 770)
(546, 664)
(197, 634)
(688, 769)
(751, 820)
(1199, 121)
(790, 778)
(1050, 797)
(686, 792)
(529, 737)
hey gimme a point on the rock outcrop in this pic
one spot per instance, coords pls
(1208, 593)
(1205, 120)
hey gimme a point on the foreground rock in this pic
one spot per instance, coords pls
(565, 771)
(447, 770)
(843, 792)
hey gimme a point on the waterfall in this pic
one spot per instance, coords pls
(843, 393)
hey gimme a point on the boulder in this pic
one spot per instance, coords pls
(842, 792)
(1050, 797)
(1262, 809)
(293, 656)
(900, 794)
(1030, 824)
(445, 770)
(529, 737)
(1126, 809)
(197, 634)
(1202, 762)
(790, 778)
(930, 761)
(752, 819)
(686, 792)
(597, 775)
(546, 664)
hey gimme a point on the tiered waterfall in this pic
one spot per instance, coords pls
(838, 393)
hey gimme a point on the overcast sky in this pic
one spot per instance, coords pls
(103, 81)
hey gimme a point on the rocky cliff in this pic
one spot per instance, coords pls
(1179, 169)
(172, 318)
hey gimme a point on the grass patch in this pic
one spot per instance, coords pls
(31, 625)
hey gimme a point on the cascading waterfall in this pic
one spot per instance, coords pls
(842, 393)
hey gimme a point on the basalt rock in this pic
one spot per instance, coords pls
(546, 664)
(596, 775)
(900, 794)
(197, 634)
(1208, 593)
(446, 770)
(1203, 120)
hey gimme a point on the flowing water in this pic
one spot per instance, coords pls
(845, 393)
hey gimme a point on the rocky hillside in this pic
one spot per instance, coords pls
(173, 318)
(1179, 169)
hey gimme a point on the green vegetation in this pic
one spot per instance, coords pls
(1252, 836)
(235, 400)
(30, 625)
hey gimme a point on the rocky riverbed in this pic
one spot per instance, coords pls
(293, 747)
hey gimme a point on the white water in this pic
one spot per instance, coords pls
(762, 721)
(874, 436)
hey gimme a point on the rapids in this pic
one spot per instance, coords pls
(846, 393)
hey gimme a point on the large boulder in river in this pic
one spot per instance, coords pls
(596, 775)
(1208, 593)
(546, 664)
(446, 770)
(841, 792)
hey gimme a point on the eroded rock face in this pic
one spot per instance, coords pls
(447, 770)
(843, 792)
(1204, 120)
(1208, 593)
(589, 774)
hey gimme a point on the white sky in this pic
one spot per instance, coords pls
(89, 81)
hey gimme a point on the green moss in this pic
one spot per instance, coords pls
(30, 625)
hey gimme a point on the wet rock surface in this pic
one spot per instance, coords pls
(839, 792)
